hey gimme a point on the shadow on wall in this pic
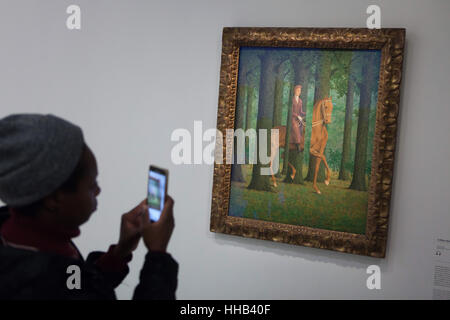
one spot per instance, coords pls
(306, 253)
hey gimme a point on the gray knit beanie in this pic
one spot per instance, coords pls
(38, 153)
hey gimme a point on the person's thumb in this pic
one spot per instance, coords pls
(145, 216)
(167, 212)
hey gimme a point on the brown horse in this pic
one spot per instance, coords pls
(281, 143)
(319, 136)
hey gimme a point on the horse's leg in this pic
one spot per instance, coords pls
(322, 156)
(316, 171)
(273, 176)
(324, 159)
(327, 180)
(315, 152)
(293, 171)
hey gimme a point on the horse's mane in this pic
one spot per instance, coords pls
(319, 101)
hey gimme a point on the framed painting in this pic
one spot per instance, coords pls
(313, 118)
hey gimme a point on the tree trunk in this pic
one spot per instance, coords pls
(343, 173)
(265, 113)
(278, 105)
(251, 91)
(359, 176)
(288, 135)
(236, 171)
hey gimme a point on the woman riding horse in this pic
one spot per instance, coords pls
(297, 120)
(297, 136)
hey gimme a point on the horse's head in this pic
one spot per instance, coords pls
(327, 110)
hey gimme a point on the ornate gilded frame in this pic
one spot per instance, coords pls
(391, 42)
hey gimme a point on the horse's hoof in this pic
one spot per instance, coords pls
(327, 182)
(275, 185)
(318, 192)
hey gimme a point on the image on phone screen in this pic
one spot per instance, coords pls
(156, 194)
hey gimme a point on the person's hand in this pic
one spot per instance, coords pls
(130, 229)
(157, 234)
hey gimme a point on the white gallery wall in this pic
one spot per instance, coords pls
(137, 70)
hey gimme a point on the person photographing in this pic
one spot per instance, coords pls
(48, 181)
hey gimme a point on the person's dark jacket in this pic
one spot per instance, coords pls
(30, 275)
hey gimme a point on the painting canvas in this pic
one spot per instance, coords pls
(313, 115)
(323, 102)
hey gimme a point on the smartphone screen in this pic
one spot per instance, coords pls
(157, 187)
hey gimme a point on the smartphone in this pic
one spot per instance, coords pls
(156, 191)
